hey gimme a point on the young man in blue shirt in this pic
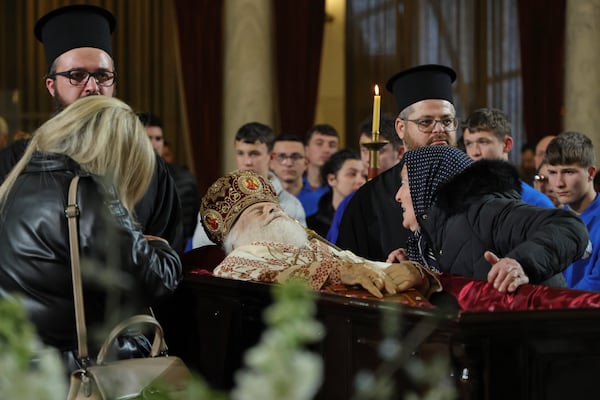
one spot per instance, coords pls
(320, 142)
(487, 136)
(571, 172)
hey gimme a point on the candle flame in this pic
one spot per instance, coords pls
(376, 90)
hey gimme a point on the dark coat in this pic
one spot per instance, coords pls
(321, 220)
(480, 209)
(372, 223)
(158, 212)
(35, 259)
(187, 189)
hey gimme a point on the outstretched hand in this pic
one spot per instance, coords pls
(371, 278)
(506, 274)
(406, 275)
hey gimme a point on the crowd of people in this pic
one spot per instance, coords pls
(296, 207)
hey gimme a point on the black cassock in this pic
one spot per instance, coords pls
(158, 212)
(372, 222)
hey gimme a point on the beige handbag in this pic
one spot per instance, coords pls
(137, 378)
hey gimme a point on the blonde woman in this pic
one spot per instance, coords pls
(102, 140)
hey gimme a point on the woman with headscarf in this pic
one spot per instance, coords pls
(468, 219)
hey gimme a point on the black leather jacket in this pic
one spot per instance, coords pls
(158, 212)
(118, 263)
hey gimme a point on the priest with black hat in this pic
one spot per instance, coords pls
(372, 223)
(78, 52)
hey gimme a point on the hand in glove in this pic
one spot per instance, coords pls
(409, 274)
(370, 278)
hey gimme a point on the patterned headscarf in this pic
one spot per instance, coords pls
(429, 168)
(228, 197)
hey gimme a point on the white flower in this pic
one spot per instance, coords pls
(279, 367)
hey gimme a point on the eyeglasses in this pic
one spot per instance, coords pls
(427, 125)
(80, 77)
(295, 157)
(540, 178)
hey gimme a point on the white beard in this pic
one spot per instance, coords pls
(280, 230)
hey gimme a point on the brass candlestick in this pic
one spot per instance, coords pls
(374, 146)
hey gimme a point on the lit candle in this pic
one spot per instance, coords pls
(376, 109)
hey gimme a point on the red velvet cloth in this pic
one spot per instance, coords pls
(472, 295)
(476, 296)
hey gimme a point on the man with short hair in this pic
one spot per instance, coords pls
(77, 44)
(372, 223)
(391, 153)
(288, 161)
(487, 136)
(542, 183)
(253, 147)
(185, 182)
(571, 171)
(320, 142)
(240, 212)
(154, 129)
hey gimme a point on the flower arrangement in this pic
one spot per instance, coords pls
(278, 367)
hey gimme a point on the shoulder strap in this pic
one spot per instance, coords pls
(72, 214)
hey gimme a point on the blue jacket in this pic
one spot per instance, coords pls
(585, 273)
(310, 197)
(534, 197)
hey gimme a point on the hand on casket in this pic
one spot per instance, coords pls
(506, 274)
(370, 278)
(409, 274)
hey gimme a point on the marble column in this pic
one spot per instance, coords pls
(248, 75)
(582, 69)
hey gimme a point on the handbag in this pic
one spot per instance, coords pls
(155, 377)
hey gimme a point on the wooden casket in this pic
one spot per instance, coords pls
(539, 343)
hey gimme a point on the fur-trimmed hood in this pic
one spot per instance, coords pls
(481, 178)
(477, 208)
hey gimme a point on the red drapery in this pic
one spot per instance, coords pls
(299, 28)
(542, 29)
(200, 24)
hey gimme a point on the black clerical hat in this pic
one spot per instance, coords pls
(423, 82)
(75, 26)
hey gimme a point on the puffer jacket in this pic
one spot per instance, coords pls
(118, 263)
(480, 209)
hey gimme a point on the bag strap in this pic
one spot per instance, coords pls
(159, 345)
(72, 212)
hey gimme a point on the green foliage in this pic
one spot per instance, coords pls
(278, 367)
(29, 370)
